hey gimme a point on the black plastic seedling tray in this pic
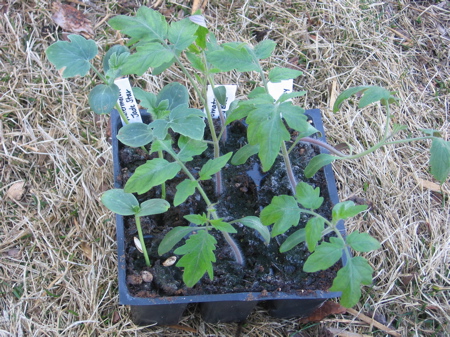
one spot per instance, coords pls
(224, 308)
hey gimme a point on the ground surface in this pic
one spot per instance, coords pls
(57, 243)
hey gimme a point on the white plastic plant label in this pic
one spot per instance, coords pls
(280, 88)
(230, 96)
(127, 102)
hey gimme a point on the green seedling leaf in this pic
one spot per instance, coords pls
(182, 33)
(148, 25)
(290, 95)
(295, 117)
(245, 152)
(431, 132)
(153, 206)
(188, 122)
(313, 232)
(175, 93)
(254, 222)
(278, 74)
(135, 134)
(220, 93)
(197, 219)
(74, 56)
(118, 50)
(398, 127)
(153, 173)
(371, 94)
(184, 190)
(166, 65)
(326, 255)
(263, 121)
(293, 240)
(231, 56)
(238, 111)
(190, 147)
(196, 61)
(345, 210)
(362, 242)
(264, 49)
(198, 256)
(117, 201)
(213, 166)
(149, 55)
(116, 63)
(223, 226)
(103, 98)
(160, 128)
(147, 99)
(173, 237)
(440, 159)
(349, 279)
(308, 196)
(317, 163)
(283, 212)
(201, 34)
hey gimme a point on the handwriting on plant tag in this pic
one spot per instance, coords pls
(280, 88)
(127, 102)
(230, 95)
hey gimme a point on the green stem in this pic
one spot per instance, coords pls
(163, 185)
(287, 162)
(99, 74)
(141, 240)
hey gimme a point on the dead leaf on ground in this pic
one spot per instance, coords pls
(429, 185)
(17, 190)
(87, 250)
(71, 19)
(327, 309)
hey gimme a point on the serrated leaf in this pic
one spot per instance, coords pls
(220, 93)
(293, 240)
(184, 190)
(326, 255)
(231, 56)
(264, 49)
(153, 173)
(313, 232)
(198, 256)
(190, 147)
(440, 159)
(198, 219)
(103, 98)
(278, 74)
(238, 111)
(349, 279)
(223, 226)
(135, 134)
(117, 201)
(213, 166)
(173, 237)
(175, 93)
(317, 163)
(74, 56)
(153, 206)
(245, 152)
(182, 33)
(263, 121)
(290, 95)
(254, 222)
(308, 196)
(147, 25)
(345, 210)
(362, 242)
(149, 55)
(187, 121)
(371, 94)
(283, 212)
(295, 117)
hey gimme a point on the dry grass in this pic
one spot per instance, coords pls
(57, 244)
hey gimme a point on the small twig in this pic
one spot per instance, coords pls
(373, 322)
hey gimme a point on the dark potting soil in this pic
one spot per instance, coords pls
(246, 191)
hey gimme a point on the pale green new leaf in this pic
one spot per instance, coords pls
(283, 212)
(153, 206)
(198, 219)
(440, 159)
(135, 134)
(326, 255)
(184, 190)
(223, 226)
(182, 33)
(198, 256)
(213, 166)
(173, 237)
(308, 196)
(349, 279)
(73, 56)
(153, 173)
(190, 147)
(345, 210)
(117, 201)
(313, 232)
(103, 98)
(362, 242)
(116, 50)
(317, 163)
(278, 74)
(255, 223)
(293, 240)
